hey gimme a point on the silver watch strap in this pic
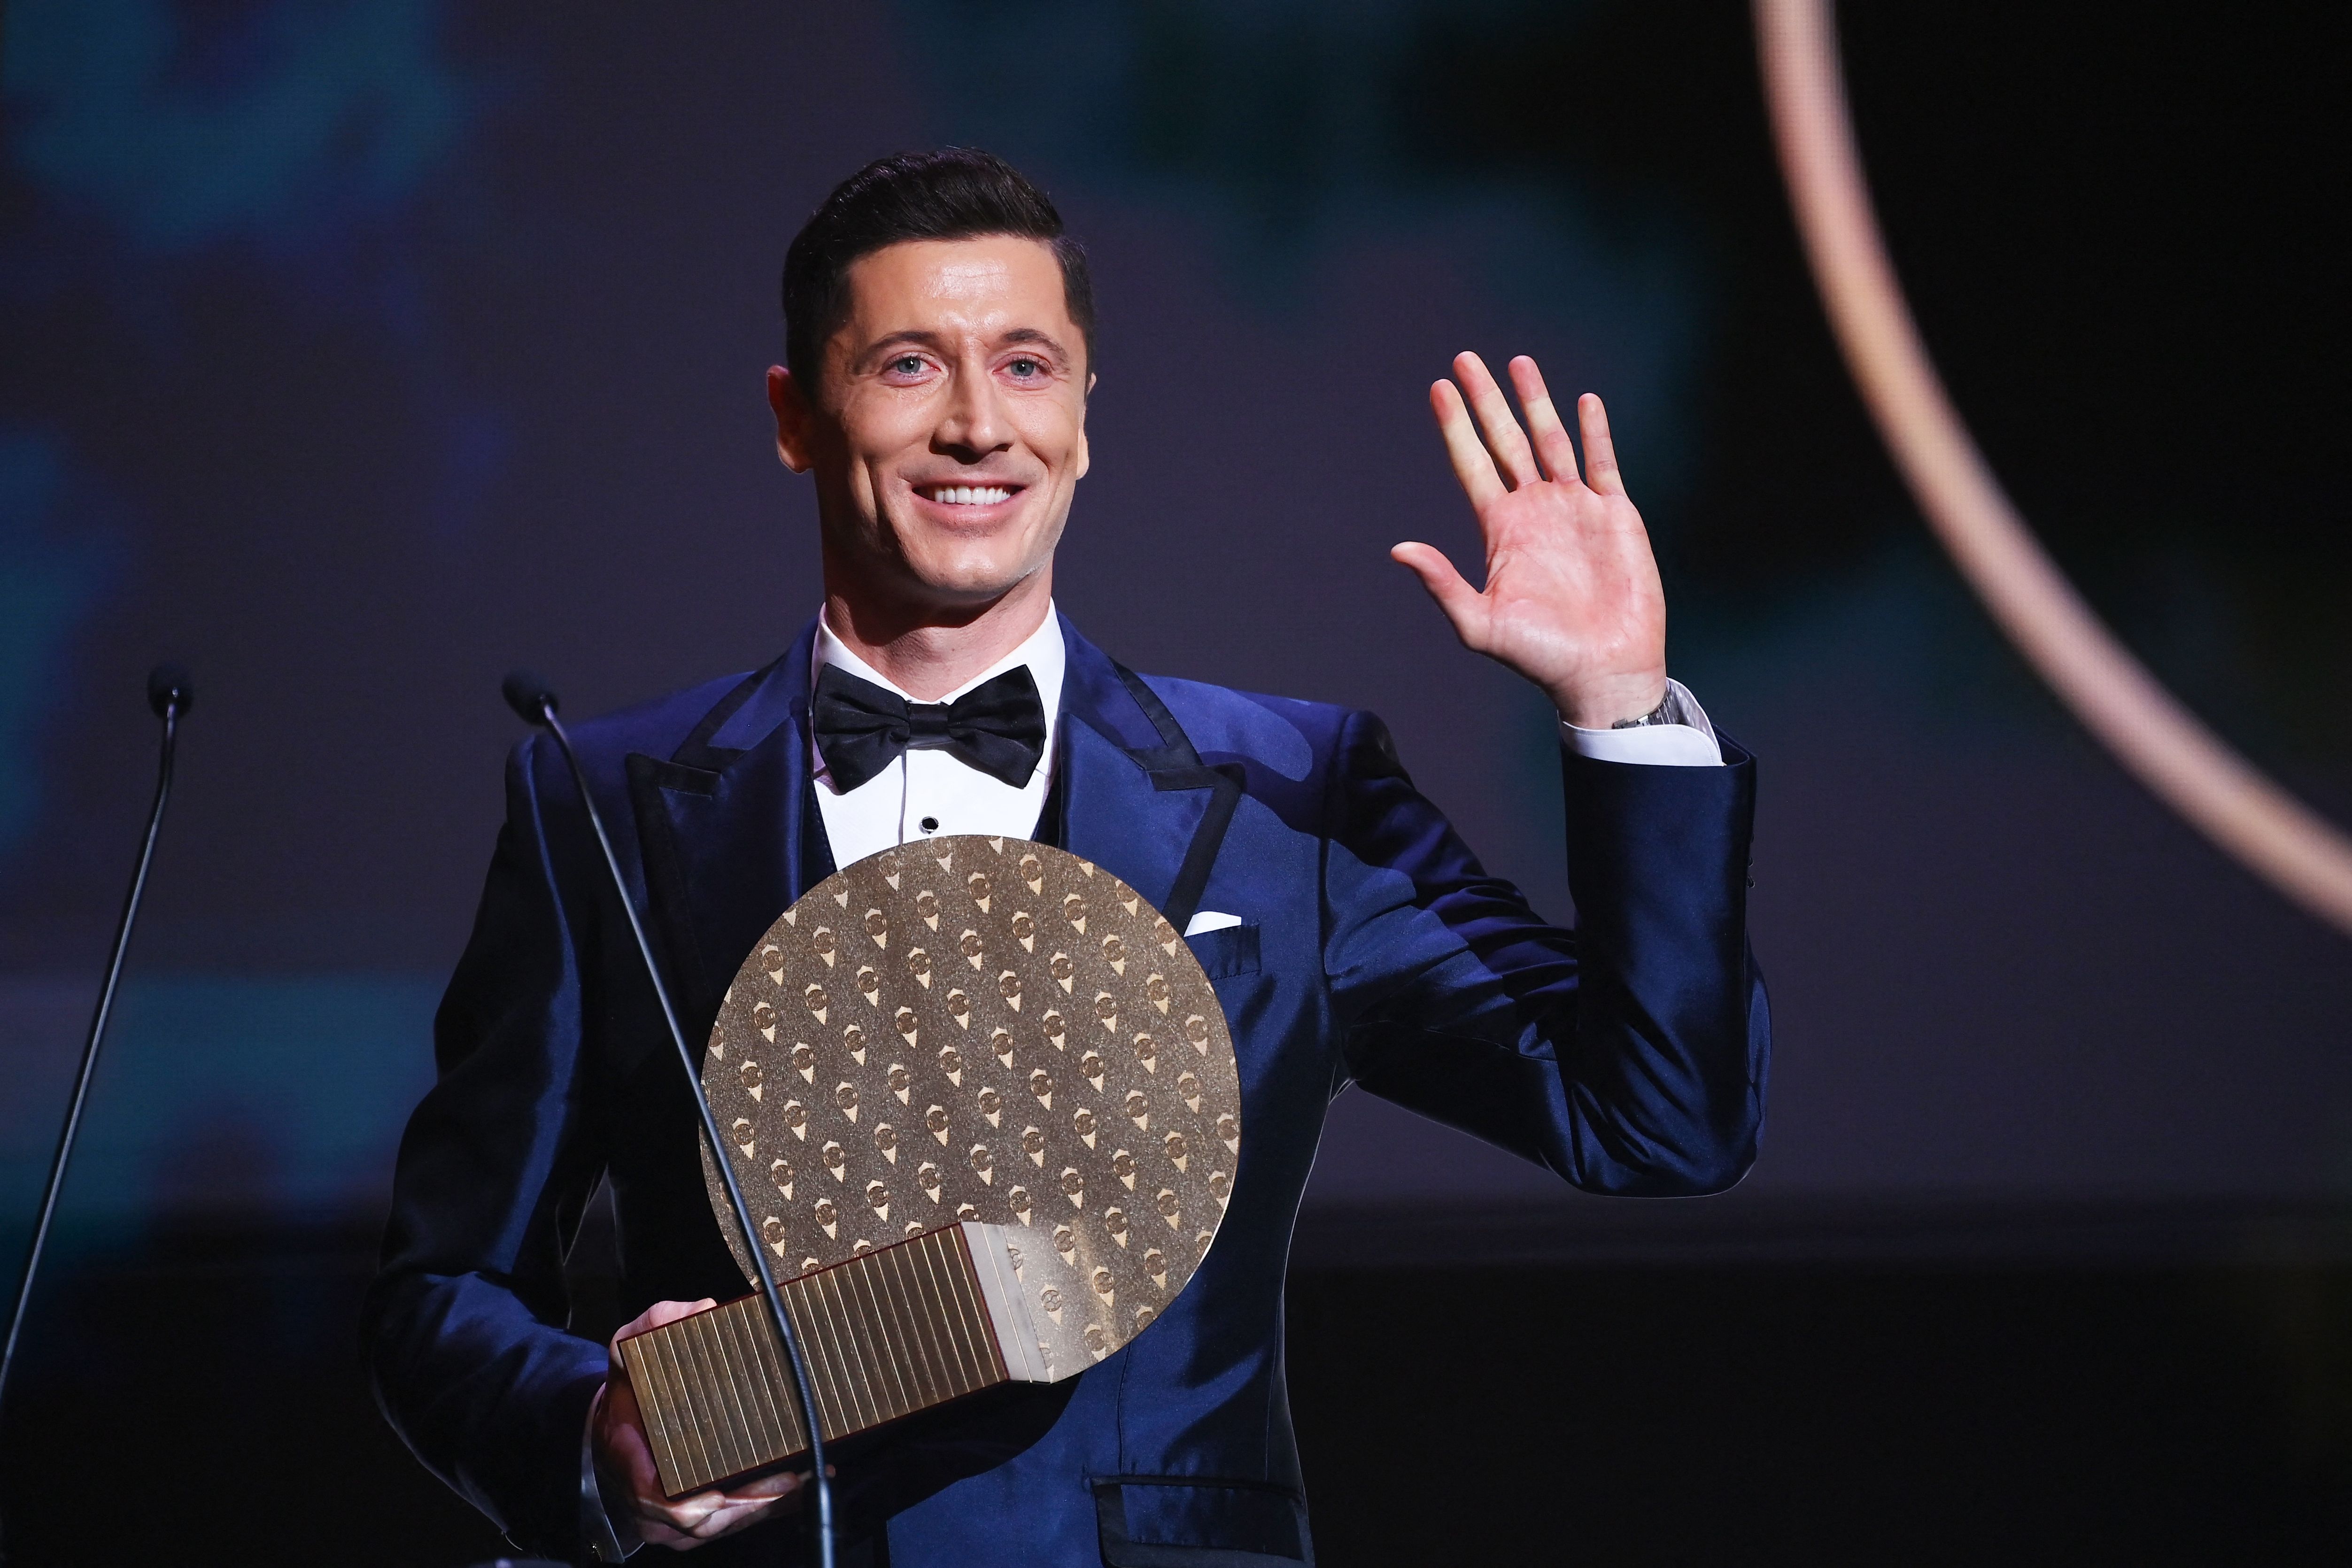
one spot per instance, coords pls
(1668, 711)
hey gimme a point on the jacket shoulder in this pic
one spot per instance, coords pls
(1288, 737)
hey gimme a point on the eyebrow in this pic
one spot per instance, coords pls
(1033, 335)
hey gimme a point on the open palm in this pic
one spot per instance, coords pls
(1571, 601)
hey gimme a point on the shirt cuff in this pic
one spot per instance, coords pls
(1688, 741)
(603, 1537)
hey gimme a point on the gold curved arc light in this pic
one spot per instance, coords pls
(2186, 765)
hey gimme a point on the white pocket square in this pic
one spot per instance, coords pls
(1210, 920)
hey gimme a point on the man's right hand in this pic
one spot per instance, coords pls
(623, 1455)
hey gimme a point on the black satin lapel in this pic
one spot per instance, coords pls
(1117, 818)
(696, 751)
(722, 828)
(669, 919)
(816, 850)
(1054, 819)
(1177, 766)
(1224, 787)
(1148, 810)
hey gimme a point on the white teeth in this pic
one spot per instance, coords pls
(970, 495)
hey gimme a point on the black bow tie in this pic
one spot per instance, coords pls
(998, 727)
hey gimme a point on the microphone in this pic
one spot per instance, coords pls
(528, 693)
(169, 691)
(535, 700)
(169, 694)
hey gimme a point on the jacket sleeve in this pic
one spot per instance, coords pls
(463, 1326)
(1627, 1054)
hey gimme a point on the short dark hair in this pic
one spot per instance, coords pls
(956, 193)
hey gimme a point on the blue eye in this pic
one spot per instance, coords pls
(907, 365)
(1027, 367)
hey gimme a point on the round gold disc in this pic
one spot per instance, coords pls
(988, 1029)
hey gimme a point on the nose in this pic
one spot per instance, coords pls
(972, 422)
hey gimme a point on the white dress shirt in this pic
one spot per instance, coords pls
(927, 791)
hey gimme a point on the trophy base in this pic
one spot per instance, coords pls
(891, 1331)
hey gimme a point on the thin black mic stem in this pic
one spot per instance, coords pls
(751, 1241)
(171, 713)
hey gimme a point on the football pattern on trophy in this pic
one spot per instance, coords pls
(985, 1030)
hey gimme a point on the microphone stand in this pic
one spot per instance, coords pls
(169, 694)
(531, 697)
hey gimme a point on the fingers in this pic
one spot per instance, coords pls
(709, 1528)
(1461, 603)
(1504, 438)
(703, 1517)
(706, 1516)
(1552, 444)
(1472, 465)
(1599, 452)
(685, 1523)
(654, 1317)
(622, 1436)
(783, 1483)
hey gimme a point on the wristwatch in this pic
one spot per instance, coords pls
(1668, 711)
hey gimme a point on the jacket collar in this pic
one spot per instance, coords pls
(723, 819)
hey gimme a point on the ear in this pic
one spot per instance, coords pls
(1085, 452)
(794, 444)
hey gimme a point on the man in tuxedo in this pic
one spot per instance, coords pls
(940, 345)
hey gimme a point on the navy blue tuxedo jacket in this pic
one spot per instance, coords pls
(1628, 1055)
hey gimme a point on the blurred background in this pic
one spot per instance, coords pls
(355, 350)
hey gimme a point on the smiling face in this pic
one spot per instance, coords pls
(949, 434)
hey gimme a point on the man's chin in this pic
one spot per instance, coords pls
(970, 586)
(920, 570)
(975, 568)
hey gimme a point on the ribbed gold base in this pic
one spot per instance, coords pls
(889, 1332)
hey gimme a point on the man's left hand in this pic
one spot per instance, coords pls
(624, 1453)
(1571, 601)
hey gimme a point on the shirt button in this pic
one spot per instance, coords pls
(931, 824)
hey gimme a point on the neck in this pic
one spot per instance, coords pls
(929, 651)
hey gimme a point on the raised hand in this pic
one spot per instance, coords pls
(1571, 601)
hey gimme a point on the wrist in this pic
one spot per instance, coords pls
(1602, 705)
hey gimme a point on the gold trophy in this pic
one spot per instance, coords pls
(982, 1102)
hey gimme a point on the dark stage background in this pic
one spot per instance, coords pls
(357, 350)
